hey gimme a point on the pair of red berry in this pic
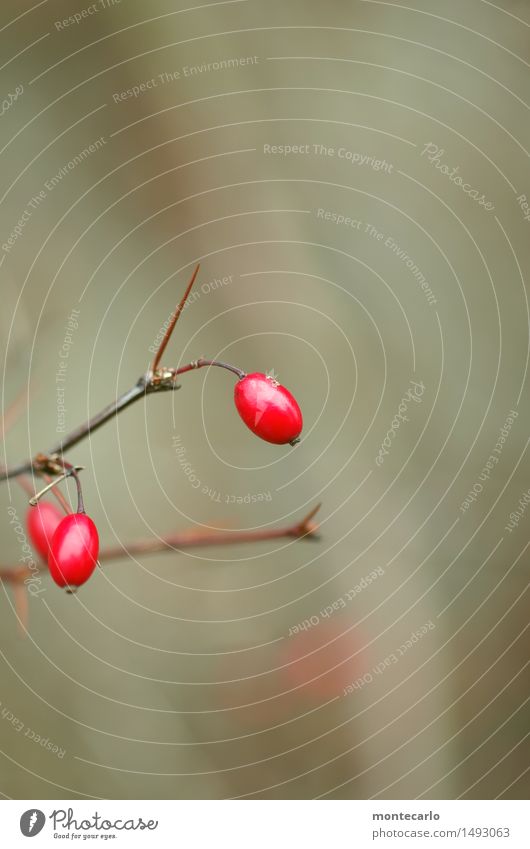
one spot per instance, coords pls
(70, 543)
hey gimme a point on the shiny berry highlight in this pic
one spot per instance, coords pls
(73, 551)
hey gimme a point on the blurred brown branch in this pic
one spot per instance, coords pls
(304, 529)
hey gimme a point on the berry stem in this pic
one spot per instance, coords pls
(139, 390)
(58, 496)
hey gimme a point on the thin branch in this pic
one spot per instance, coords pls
(17, 575)
(157, 379)
(200, 538)
(58, 496)
(304, 529)
(13, 413)
(26, 485)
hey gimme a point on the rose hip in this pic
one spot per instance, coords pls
(42, 522)
(268, 409)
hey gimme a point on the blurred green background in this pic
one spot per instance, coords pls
(174, 675)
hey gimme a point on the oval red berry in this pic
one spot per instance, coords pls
(74, 550)
(268, 409)
(42, 522)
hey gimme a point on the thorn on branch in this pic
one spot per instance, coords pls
(21, 607)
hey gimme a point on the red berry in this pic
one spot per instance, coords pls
(268, 409)
(41, 522)
(74, 550)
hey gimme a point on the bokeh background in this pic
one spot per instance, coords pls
(181, 675)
